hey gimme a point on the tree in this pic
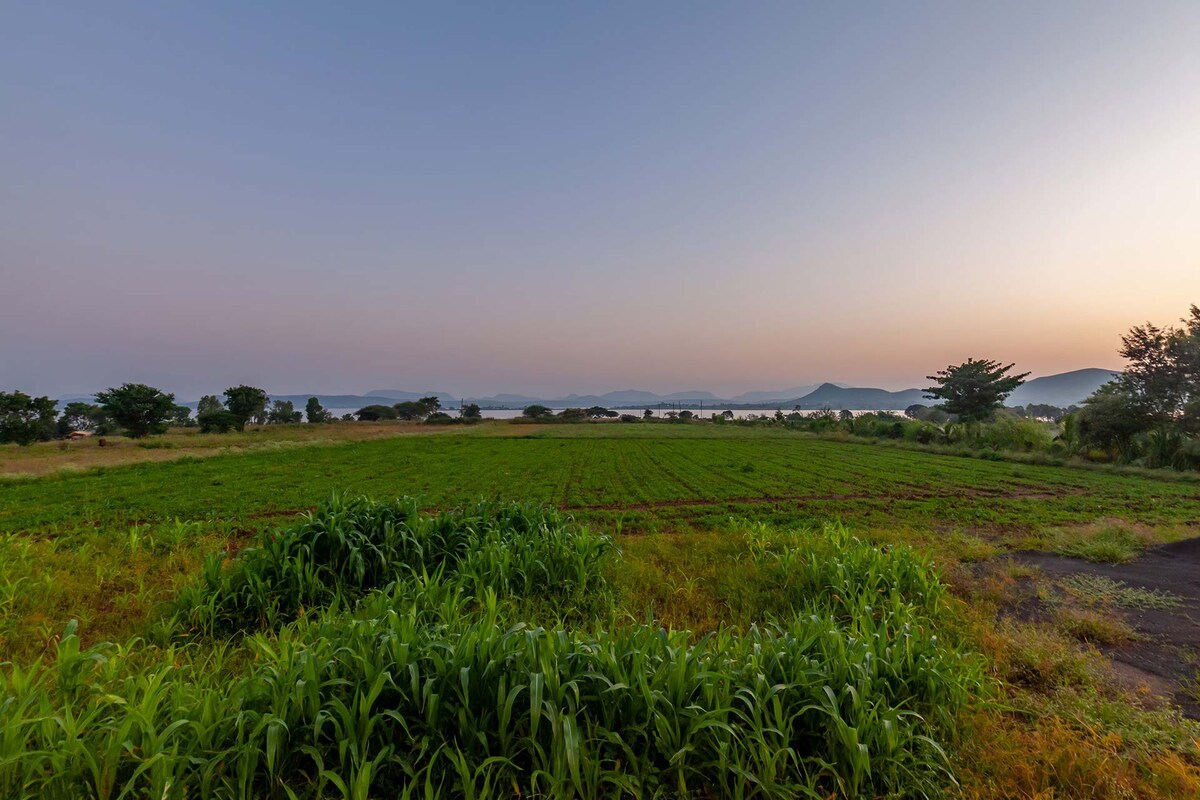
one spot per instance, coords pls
(410, 410)
(78, 416)
(181, 416)
(417, 409)
(25, 419)
(647, 414)
(138, 408)
(596, 412)
(973, 391)
(283, 413)
(372, 413)
(245, 403)
(315, 412)
(209, 403)
(1163, 374)
(471, 411)
(537, 411)
(1110, 420)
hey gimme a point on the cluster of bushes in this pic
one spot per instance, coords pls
(1006, 431)
(427, 409)
(398, 669)
(540, 413)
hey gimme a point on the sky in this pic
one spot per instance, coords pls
(547, 198)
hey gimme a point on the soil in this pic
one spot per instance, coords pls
(1165, 657)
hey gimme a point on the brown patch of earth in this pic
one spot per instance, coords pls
(1166, 655)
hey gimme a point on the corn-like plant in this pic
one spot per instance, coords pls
(349, 547)
(428, 688)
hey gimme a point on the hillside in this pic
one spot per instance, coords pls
(1064, 389)
(829, 395)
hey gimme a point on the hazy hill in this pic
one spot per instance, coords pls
(775, 396)
(396, 395)
(830, 395)
(1064, 389)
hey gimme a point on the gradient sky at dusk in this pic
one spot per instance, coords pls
(556, 197)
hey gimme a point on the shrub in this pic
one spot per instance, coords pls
(373, 413)
(351, 546)
(221, 421)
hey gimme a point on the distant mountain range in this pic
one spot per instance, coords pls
(1062, 390)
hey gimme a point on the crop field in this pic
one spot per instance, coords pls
(656, 478)
(859, 593)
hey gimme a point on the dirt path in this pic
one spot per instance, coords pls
(1167, 652)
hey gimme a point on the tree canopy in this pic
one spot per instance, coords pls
(1152, 410)
(24, 419)
(973, 390)
(375, 412)
(245, 403)
(79, 416)
(283, 412)
(139, 409)
(1163, 374)
(315, 412)
(417, 409)
(209, 403)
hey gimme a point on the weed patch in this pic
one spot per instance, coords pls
(1098, 590)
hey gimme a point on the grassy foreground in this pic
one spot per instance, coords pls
(771, 654)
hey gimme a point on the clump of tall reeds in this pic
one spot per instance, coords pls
(351, 546)
(428, 687)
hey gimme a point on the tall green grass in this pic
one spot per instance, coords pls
(351, 546)
(428, 687)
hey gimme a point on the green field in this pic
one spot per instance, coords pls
(706, 520)
(652, 476)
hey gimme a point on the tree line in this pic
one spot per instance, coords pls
(137, 410)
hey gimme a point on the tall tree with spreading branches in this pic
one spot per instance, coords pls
(972, 391)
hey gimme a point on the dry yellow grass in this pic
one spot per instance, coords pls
(43, 458)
